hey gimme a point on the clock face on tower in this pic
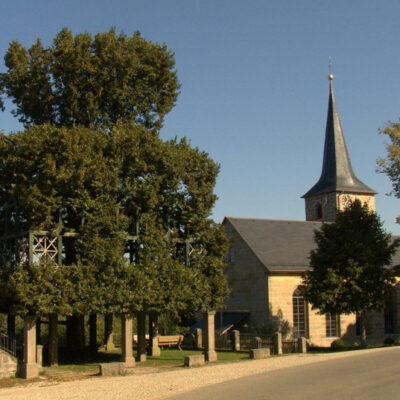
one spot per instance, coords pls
(346, 200)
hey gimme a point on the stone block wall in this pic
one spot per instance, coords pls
(247, 278)
(281, 289)
(8, 365)
(331, 202)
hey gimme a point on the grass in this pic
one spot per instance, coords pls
(176, 357)
(168, 357)
(85, 364)
(345, 348)
(11, 382)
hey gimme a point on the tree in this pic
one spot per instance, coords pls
(391, 164)
(349, 268)
(97, 182)
(81, 80)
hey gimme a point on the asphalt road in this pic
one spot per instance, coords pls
(366, 376)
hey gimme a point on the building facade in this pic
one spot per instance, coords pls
(267, 258)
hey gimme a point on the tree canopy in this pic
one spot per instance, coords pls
(98, 183)
(80, 80)
(349, 268)
(390, 165)
(90, 164)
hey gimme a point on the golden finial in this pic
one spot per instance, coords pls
(330, 76)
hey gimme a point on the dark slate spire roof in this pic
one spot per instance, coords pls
(337, 173)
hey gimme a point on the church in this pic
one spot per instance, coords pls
(266, 257)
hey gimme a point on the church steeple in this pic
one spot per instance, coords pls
(337, 174)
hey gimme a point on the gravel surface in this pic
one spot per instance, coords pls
(160, 385)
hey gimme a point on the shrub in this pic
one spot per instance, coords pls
(397, 341)
(338, 344)
(389, 341)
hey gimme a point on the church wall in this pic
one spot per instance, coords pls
(376, 321)
(247, 280)
(281, 289)
(261, 294)
(330, 202)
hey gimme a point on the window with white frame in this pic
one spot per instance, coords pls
(299, 315)
(332, 323)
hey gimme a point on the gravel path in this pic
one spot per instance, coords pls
(155, 386)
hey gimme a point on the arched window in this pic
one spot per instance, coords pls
(318, 211)
(299, 315)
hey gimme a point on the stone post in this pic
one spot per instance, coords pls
(29, 367)
(93, 332)
(39, 355)
(53, 339)
(209, 342)
(154, 349)
(302, 344)
(199, 338)
(141, 345)
(278, 348)
(126, 339)
(257, 344)
(108, 332)
(235, 340)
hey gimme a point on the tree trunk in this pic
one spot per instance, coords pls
(11, 325)
(363, 328)
(93, 332)
(154, 349)
(53, 339)
(76, 332)
(141, 334)
(108, 332)
(38, 330)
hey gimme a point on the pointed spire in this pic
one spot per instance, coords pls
(337, 174)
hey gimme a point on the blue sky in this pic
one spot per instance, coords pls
(254, 85)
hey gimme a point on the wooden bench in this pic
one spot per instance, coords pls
(170, 341)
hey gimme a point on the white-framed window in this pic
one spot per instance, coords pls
(332, 324)
(299, 314)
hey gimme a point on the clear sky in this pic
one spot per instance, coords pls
(254, 85)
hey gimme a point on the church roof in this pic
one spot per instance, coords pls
(337, 173)
(281, 246)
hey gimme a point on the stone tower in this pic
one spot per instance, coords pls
(338, 185)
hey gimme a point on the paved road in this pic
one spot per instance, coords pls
(373, 376)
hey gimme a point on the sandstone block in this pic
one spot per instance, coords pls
(115, 368)
(257, 354)
(195, 360)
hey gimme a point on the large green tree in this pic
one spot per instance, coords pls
(390, 165)
(349, 268)
(81, 80)
(98, 182)
(91, 158)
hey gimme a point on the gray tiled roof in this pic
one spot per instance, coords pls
(279, 245)
(337, 173)
(282, 246)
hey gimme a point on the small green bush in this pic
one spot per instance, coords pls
(389, 341)
(397, 341)
(338, 344)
